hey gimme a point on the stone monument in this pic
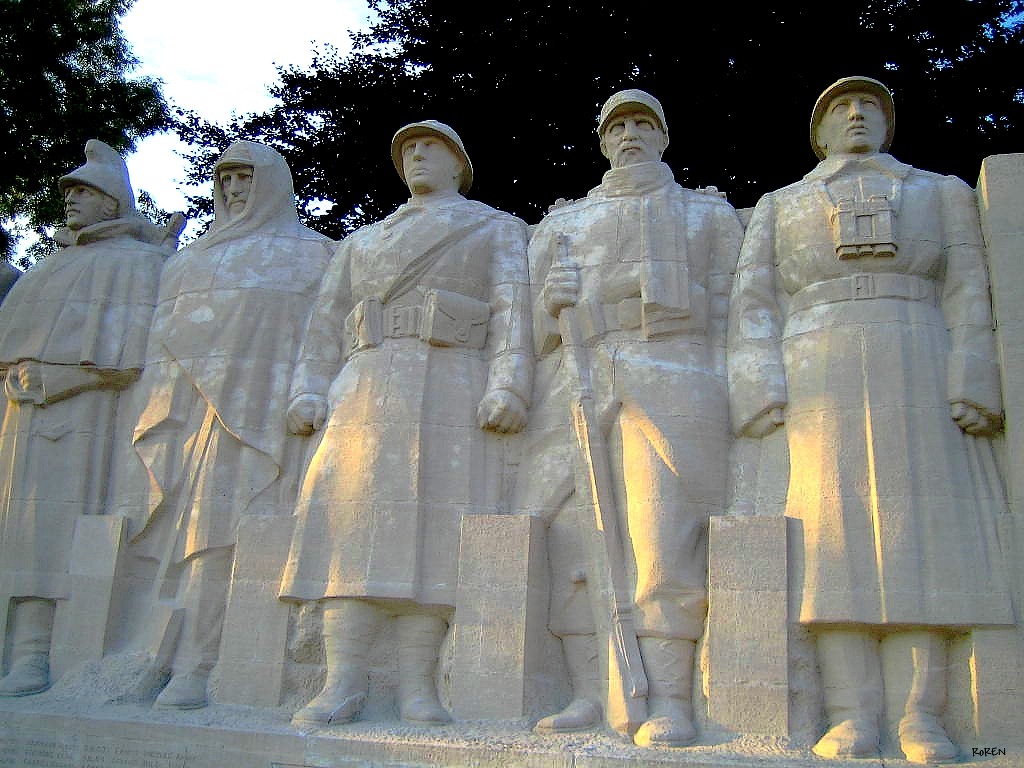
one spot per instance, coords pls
(72, 339)
(651, 482)
(419, 339)
(861, 306)
(637, 275)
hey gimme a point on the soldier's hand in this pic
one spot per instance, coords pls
(765, 424)
(28, 381)
(561, 288)
(972, 420)
(502, 411)
(306, 414)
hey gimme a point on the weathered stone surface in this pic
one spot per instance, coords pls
(861, 320)
(418, 347)
(414, 511)
(748, 625)
(630, 285)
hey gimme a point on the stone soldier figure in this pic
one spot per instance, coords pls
(419, 338)
(72, 337)
(642, 265)
(212, 434)
(861, 308)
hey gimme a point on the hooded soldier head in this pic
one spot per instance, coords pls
(104, 172)
(269, 199)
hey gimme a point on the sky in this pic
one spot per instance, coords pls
(217, 57)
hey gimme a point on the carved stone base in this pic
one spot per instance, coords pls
(52, 733)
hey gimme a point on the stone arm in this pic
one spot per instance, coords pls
(42, 384)
(973, 369)
(549, 288)
(726, 240)
(510, 338)
(757, 378)
(321, 355)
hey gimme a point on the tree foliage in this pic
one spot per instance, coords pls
(523, 83)
(63, 81)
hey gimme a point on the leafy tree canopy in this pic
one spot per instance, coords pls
(63, 67)
(523, 83)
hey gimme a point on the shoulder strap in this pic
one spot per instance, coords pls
(422, 264)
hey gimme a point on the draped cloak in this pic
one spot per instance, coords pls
(212, 432)
(84, 311)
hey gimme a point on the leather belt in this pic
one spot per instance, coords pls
(864, 286)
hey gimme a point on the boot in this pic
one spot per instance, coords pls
(185, 690)
(30, 648)
(350, 627)
(922, 737)
(419, 644)
(204, 597)
(584, 711)
(852, 686)
(669, 667)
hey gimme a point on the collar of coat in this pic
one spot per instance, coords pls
(639, 179)
(134, 226)
(840, 165)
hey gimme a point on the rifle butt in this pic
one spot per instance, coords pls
(626, 702)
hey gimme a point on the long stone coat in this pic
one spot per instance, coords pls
(83, 314)
(869, 352)
(654, 262)
(402, 457)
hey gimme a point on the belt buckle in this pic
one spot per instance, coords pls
(863, 286)
(399, 321)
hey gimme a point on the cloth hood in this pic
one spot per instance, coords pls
(270, 207)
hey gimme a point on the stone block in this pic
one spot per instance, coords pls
(500, 616)
(997, 669)
(251, 667)
(81, 622)
(747, 644)
(1000, 193)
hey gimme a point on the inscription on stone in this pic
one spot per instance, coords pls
(126, 756)
(42, 750)
(39, 750)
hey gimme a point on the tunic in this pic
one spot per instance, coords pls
(869, 351)
(402, 457)
(83, 313)
(655, 261)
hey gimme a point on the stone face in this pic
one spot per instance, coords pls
(459, 491)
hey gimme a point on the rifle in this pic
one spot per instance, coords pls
(610, 593)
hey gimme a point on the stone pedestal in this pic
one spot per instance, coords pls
(997, 655)
(500, 618)
(252, 655)
(748, 637)
(81, 623)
